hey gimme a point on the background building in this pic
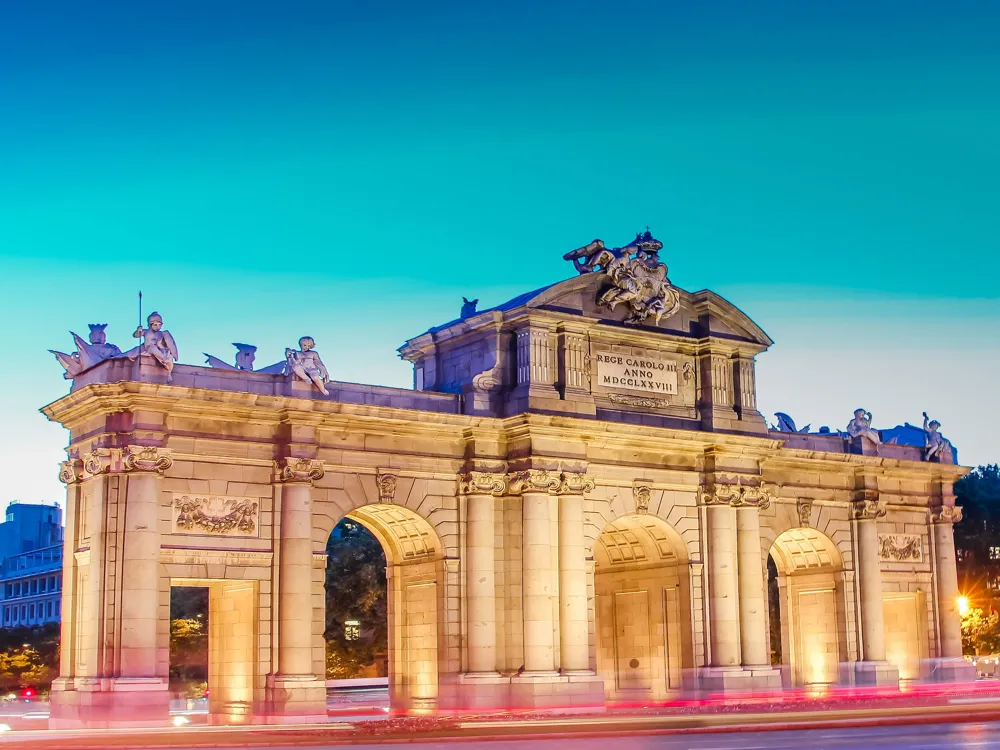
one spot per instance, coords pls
(31, 539)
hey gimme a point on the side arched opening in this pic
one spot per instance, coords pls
(805, 574)
(402, 605)
(641, 585)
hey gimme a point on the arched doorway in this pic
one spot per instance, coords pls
(413, 559)
(641, 590)
(805, 569)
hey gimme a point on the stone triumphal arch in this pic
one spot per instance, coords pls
(577, 500)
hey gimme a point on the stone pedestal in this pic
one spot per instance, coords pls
(474, 692)
(875, 674)
(100, 703)
(582, 691)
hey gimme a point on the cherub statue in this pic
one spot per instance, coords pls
(861, 426)
(87, 355)
(306, 364)
(938, 446)
(156, 342)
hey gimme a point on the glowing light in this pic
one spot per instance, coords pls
(5, 728)
(180, 721)
(963, 605)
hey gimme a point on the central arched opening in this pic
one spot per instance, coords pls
(641, 586)
(806, 580)
(382, 602)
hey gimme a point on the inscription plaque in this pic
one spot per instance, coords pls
(645, 374)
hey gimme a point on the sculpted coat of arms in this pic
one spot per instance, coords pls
(636, 275)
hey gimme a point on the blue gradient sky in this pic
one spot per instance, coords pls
(267, 170)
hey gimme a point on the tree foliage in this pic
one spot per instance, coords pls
(980, 632)
(355, 590)
(29, 657)
(979, 495)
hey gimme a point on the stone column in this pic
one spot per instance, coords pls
(753, 604)
(724, 631)
(873, 669)
(480, 583)
(951, 667)
(71, 473)
(140, 598)
(535, 487)
(295, 689)
(574, 654)
(949, 625)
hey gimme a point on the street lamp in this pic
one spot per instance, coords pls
(963, 605)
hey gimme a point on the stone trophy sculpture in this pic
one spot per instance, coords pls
(87, 354)
(245, 355)
(861, 426)
(637, 276)
(937, 447)
(305, 364)
(156, 342)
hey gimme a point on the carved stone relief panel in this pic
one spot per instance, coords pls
(900, 548)
(217, 515)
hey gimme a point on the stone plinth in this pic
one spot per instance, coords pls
(554, 690)
(101, 703)
(875, 674)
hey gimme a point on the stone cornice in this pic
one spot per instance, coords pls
(297, 470)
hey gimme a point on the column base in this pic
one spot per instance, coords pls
(570, 691)
(294, 699)
(875, 674)
(955, 669)
(103, 703)
(742, 679)
(474, 691)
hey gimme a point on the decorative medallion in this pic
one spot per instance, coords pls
(223, 516)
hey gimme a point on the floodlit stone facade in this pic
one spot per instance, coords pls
(573, 510)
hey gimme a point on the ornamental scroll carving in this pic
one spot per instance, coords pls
(70, 472)
(146, 458)
(224, 516)
(641, 401)
(946, 514)
(298, 470)
(868, 507)
(641, 494)
(804, 508)
(554, 483)
(483, 483)
(737, 495)
(97, 461)
(900, 547)
(386, 487)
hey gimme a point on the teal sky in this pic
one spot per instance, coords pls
(267, 170)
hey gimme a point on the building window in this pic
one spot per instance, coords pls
(31, 612)
(58, 605)
(48, 609)
(995, 553)
(352, 630)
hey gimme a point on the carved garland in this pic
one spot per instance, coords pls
(240, 515)
(900, 547)
(642, 401)
(542, 480)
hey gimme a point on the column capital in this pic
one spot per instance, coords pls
(867, 506)
(942, 514)
(574, 483)
(71, 471)
(737, 495)
(298, 470)
(550, 482)
(97, 461)
(146, 458)
(533, 480)
(483, 483)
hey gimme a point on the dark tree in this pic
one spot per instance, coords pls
(773, 611)
(355, 590)
(977, 535)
